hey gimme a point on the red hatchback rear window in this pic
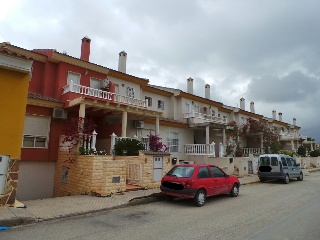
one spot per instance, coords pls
(181, 171)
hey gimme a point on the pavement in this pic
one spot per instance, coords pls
(33, 211)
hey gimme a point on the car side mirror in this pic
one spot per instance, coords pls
(297, 164)
(227, 175)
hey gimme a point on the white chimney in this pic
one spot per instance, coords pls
(280, 116)
(294, 121)
(122, 62)
(242, 104)
(207, 91)
(190, 85)
(274, 113)
(252, 107)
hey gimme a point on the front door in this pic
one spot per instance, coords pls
(157, 168)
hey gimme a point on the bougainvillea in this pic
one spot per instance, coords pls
(155, 144)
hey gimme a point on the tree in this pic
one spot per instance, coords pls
(302, 151)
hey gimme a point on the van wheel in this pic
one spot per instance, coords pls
(234, 191)
(286, 180)
(300, 178)
(200, 198)
(262, 179)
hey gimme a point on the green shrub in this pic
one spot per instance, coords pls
(128, 146)
(289, 153)
(275, 147)
(302, 151)
(315, 153)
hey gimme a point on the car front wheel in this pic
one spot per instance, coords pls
(200, 198)
(286, 180)
(234, 191)
(300, 178)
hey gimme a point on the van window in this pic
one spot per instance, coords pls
(289, 162)
(264, 161)
(284, 162)
(274, 161)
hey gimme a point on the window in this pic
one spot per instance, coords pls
(217, 173)
(149, 101)
(274, 161)
(74, 77)
(116, 88)
(284, 162)
(196, 108)
(204, 173)
(213, 113)
(242, 120)
(161, 104)
(264, 161)
(36, 131)
(173, 142)
(187, 108)
(181, 171)
(289, 162)
(130, 92)
(95, 83)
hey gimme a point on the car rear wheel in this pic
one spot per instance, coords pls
(200, 198)
(300, 178)
(286, 180)
(235, 190)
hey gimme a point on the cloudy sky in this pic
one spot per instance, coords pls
(267, 51)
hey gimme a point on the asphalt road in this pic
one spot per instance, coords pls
(270, 210)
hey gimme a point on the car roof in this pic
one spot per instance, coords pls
(195, 165)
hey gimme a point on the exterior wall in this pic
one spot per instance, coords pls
(14, 91)
(35, 180)
(123, 87)
(225, 163)
(315, 161)
(241, 167)
(93, 174)
(9, 197)
(155, 97)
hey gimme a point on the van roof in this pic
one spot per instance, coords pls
(273, 155)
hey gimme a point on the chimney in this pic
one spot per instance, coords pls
(85, 48)
(190, 85)
(294, 121)
(242, 104)
(252, 107)
(280, 116)
(274, 114)
(122, 62)
(207, 91)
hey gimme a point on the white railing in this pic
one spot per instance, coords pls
(93, 92)
(247, 151)
(205, 117)
(200, 149)
(130, 100)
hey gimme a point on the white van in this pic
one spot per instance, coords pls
(278, 166)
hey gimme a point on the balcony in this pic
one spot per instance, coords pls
(285, 136)
(197, 118)
(199, 149)
(103, 95)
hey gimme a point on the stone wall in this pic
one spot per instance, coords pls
(9, 197)
(102, 175)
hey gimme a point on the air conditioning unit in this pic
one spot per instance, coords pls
(138, 124)
(104, 83)
(60, 113)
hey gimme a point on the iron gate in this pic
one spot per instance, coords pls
(250, 167)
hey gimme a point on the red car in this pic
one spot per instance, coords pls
(198, 181)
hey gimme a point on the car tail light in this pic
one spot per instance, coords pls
(189, 183)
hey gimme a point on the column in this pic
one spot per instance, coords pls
(292, 145)
(124, 124)
(157, 125)
(224, 140)
(207, 140)
(82, 114)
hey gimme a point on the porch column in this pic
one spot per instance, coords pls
(207, 140)
(157, 125)
(224, 139)
(82, 114)
(292, 145)
(124, 124)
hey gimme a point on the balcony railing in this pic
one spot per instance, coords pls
(200, 149)
(247, 151)
(205, 117)
(93, 92)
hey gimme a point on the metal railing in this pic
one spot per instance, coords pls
(205, 117)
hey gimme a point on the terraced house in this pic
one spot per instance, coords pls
(63, 87)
